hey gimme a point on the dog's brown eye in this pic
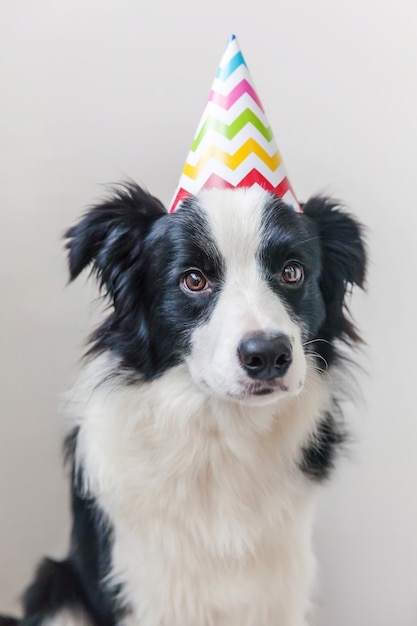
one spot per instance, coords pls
(292, 273)
(195, 281)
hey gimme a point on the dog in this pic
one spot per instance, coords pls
(206, 415)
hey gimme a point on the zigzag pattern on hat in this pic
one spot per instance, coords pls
(234, 145)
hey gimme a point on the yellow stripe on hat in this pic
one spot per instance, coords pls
(232, 161)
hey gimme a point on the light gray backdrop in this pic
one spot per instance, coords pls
(96, 90)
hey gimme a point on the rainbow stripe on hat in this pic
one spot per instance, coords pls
(234, 145)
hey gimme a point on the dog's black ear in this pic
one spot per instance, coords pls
(110, 235)
(343, 261)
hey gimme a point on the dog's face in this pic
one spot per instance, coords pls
(235, 284)
(240, 292)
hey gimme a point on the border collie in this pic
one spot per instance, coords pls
(206, 414)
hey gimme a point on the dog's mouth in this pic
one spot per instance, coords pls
(252, 390)
(264, 389)
(263, 392)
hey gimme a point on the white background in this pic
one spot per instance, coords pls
(93, 91)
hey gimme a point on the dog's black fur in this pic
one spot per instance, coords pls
(120, 239)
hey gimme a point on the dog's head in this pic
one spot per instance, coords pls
(234, 284)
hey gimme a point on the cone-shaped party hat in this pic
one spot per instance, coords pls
(234, 145)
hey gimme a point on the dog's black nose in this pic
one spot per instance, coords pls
(265, 357)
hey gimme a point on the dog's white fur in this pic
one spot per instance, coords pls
(68, 618)
(211, 514)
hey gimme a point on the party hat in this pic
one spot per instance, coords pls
(234, 145)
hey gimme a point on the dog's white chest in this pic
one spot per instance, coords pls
(173, 576)
(211, 524)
